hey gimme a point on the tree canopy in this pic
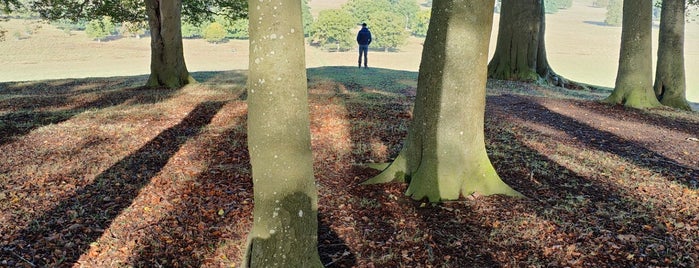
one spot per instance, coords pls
(195, 11)
(387, 31)
(332, 30)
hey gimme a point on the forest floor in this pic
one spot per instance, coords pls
(103, 173)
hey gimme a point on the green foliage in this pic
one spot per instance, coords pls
(387, 31)
(68, 25)
(307, 17)
(365, 10)
(614, 13)
(332, 30)
(214, 33)
(239, 29)
(100, 28)
(134, 29)
(408, 9)
(194, 11)
(7, 6)
(552, 6)
(190, 30)
(565, 4)
(600, 3)
(402, 14)
(420, 23)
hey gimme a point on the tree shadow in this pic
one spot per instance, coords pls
(599, 23)
(32, 105)
(529, 110)
(592, 216)
(60, 236)
(188, 234)
(332, 249)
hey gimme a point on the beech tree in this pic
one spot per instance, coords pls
(444, 155)
(634, 80)
(167, 65)
(520, 52)
(168, 68)
(284, 232)
(670, 81)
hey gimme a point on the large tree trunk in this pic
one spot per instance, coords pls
(167, 64)
(670, 84)
(634, 80)
(520, 53)
(284, 232)
(444, 156)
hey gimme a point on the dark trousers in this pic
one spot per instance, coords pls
(363, 50)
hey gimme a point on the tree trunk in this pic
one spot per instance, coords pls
(634, 80)
(520, 52)
(284, 232)
(444, 155)
(167, 64)
(670, 84)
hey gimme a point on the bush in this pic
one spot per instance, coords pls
(135, 29)
(387, 31)
(614, 13)
(600, 3)
(190, 30)
(68, 25)
(332, 30)
(552, 6)
(420, 24)
(239, 29)
(100, 29)
(214, 33)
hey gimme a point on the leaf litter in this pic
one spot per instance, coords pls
(161, 178)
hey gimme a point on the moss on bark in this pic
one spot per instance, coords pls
(670, 81)
(167, 66)
(634, 86)
(444, 156)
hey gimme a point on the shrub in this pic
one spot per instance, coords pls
(190, 30)
(100, 29)
(214, 33)
(614, 13)
(239, 29)
(600, 3)
(420, 24)
(550, 6)
(135, 29)
(332, 30)
(387, 31)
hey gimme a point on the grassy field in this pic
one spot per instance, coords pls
(579, 48)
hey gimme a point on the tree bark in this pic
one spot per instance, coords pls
(670, 82)
(284, 232)
(167, 64)
(520, 52)
(634, 80)
(444, 156)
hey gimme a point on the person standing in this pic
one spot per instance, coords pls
(363, 39)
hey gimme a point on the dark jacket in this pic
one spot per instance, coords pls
(364, 36)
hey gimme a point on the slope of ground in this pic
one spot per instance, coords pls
(102, 173)
(579, 47)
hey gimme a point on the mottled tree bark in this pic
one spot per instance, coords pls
(284, 232)
(520, 52)
(444, 156)
(670, 82)
(634, 80)
(167, 64)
